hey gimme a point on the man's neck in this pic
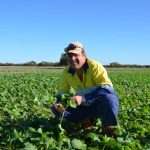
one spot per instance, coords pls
(80, 73)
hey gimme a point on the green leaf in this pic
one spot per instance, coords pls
(78, 144)
(72, 91)
(63, 97)
(93, 136)
(40, 130)
(106, 139)
(50, 142)
(29, 146)
(72, 104)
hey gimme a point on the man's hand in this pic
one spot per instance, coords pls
(77, 99)
(59, 108)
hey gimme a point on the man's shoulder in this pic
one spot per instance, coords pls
(66, 69)
(93, 62)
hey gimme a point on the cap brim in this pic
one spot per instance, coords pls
(75, 51)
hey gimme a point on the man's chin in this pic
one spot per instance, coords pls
(75, 67)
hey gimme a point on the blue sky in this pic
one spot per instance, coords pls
(110, 30)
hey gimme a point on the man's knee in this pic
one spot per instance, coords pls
(110, 102)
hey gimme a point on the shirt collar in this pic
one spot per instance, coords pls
(85, 67)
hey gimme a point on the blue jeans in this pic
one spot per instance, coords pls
(105, 107)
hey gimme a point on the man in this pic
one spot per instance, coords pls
(95, 95)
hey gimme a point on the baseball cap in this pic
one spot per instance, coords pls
(74, 47)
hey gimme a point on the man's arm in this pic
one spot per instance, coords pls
(89, 95)
(98, 93)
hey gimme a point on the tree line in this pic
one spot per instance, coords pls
(63, 62)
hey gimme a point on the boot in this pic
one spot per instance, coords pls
(109, 131)
(87, 124)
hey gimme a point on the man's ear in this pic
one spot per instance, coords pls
(84, 53)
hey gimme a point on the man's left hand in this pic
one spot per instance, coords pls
(77, 99)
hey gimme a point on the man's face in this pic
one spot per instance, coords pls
(76, 61)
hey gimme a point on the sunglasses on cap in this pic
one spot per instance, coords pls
(72, 47)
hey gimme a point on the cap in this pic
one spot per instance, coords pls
(74, 47)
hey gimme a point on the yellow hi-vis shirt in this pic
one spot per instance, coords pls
(94, 75)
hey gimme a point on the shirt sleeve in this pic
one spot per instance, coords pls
(86, 91)
(62, 83)
(98, 93)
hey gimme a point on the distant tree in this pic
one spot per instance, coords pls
(115, 64)
(44, 63)
(31, 63)
(56, 64)
(63, 59)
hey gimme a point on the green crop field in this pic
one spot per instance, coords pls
(26, 120)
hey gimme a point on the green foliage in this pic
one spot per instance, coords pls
(26, 120)
(66, 98)
(78, 144)
(66, 102)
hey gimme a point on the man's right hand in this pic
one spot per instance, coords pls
(59, 108)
